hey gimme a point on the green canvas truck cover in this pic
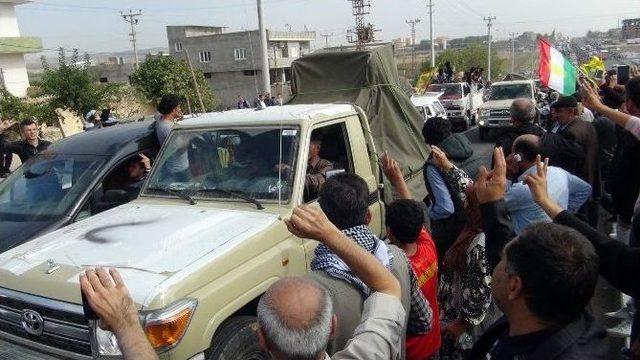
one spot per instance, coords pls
(369, 79)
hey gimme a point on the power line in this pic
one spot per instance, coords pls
(132, 19)
(489, 20)
(326, 38)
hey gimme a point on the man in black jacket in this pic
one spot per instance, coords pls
(542, 283)
(31, 145)
(523, 113)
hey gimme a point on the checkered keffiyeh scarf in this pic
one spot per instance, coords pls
(325, 260)
(420, 314)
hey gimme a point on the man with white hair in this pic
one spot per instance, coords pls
(296, 315)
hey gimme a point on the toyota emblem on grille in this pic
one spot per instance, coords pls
(32, 322)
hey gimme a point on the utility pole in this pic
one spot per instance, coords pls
(513, 51)
(326, 39)
(132, 19)
(433, 48)
(266, 79)
(489, 20)
(412, 24)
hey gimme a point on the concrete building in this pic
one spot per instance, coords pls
(231, 61)
(13, 70)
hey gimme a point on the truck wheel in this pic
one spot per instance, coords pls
(236, 338)
(483, 133)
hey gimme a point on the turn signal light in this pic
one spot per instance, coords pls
(166, 328)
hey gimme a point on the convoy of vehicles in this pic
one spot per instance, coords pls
(495, 112)
(76, 178)
(462, 102)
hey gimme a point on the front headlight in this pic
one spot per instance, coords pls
(106, 342)
(164, 328)
(485, 113)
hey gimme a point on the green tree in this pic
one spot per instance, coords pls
(15, 108)
(71, 85)
(470, 56)
(161, 75)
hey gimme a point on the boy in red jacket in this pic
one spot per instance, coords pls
(405, 228)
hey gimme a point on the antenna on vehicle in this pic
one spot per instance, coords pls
(280, 172)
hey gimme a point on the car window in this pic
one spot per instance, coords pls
(47, 186)
(210, 164)
(511, 91)
(335, 149)
(466, 90)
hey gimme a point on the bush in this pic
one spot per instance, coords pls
(160, 75)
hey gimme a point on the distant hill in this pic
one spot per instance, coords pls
(34, 64)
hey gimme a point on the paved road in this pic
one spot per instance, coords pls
(483, 149)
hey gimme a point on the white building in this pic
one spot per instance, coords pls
(13, 70)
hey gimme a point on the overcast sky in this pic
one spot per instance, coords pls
(96, 25)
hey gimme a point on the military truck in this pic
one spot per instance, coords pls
(206, 237)
(495, 113)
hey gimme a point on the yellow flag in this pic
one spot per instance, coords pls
(425, 80)
(593, 65)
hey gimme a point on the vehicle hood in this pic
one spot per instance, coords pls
(497, 104)
(147, 243)
(13, 233)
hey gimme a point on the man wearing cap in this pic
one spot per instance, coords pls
(573, 131)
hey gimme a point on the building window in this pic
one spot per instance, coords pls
(178, 46)
(207, 75)
(240, 54)
(250, 73)
(205, 56)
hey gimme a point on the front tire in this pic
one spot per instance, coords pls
(235, 339)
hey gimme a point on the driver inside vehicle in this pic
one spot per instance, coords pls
(249, 172)
(317, 168)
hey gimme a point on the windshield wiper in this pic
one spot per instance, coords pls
(179, 193)
(237, 195)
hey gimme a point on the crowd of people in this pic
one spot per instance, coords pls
(493, 264)
(505, 270)
(260, 102)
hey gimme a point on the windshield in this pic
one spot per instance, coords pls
(451, 91)
(223, 162)
(47, 186)
(507, 92)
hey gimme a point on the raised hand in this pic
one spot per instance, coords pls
(308, 222)
(590, 96)
(5, 124)
(145, 161)
(391, 168)
(440, 158)
(538, 182)
(538, 185)
(491, 185)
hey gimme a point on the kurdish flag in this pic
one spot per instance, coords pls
(555, 70)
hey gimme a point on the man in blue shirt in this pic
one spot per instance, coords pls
(568, 190)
